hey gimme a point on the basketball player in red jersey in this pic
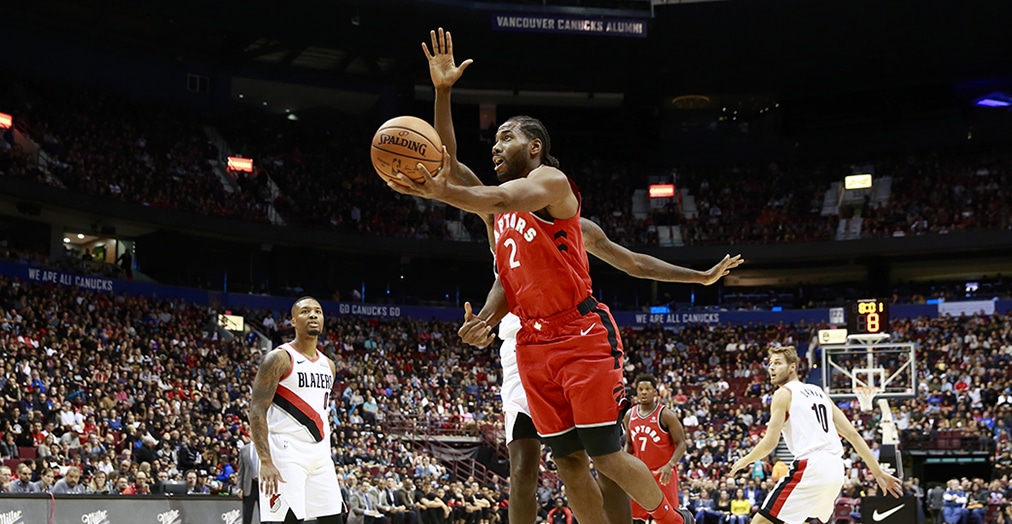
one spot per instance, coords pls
(655, 436)
(291, 428)
(569, 352)
(521, 439)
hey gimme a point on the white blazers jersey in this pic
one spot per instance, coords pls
(509, 326)
(302, 400)
(809, 427)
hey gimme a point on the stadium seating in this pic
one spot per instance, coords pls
(316, 174)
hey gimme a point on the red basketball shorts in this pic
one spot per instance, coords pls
(571, 368)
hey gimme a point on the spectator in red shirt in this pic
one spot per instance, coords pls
(140, 485)
(560, 514)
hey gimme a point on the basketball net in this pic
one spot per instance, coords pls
(865, 396)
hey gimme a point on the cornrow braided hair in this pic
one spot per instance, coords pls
(533, 128)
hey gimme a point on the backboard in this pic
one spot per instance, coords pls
(866, 360)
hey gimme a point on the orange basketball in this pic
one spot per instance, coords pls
(401, 143)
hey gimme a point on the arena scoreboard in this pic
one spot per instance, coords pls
(868, 316)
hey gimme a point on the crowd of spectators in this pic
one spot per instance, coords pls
(76, 259)
(970, 500)
(943, 194)
(80, 261)
(930, 193)
(802, 296)
(132, 392)
(107, 145)
(326, 179)
(98, 143)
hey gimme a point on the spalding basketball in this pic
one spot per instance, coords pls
(401, 143)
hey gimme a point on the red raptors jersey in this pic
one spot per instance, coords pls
(542, 264)
(650, 443)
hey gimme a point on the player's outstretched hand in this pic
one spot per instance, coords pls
(722, 269)
(442, 68)
(664, 474)
(737, 466)
(474, 331)
(269, 478)
(432, 185)
(889, 484)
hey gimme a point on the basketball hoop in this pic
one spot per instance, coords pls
(866, 396)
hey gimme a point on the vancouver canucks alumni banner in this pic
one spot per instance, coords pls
(568, 24)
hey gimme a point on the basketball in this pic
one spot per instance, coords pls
(403, 142)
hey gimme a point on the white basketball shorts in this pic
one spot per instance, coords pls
(809, 490)
(310, 487)
(514, 398)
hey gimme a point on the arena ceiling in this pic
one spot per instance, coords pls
(786, 47)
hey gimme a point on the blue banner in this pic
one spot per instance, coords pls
(681, 318)
(393, 311)
(50, 276)
(333, 309)
(561, 24)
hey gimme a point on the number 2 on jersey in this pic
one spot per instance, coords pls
(822, 415)
(512, 244)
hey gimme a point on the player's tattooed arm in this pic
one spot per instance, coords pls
(274, 366)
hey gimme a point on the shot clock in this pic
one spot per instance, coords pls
(868, 316)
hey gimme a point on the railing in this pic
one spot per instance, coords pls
(957, 440)
(460, 467)
(429, 426)
(423, 434)
(494, 436)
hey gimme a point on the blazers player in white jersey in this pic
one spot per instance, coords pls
(812, 426)
(291, 429)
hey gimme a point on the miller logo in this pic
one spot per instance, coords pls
(11, 517)
(275, 504)
(232, 517)
(96, 517)
(169, 517)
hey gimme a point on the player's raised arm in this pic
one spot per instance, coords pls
(645, 266)
(275, 365)
(444, 72)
